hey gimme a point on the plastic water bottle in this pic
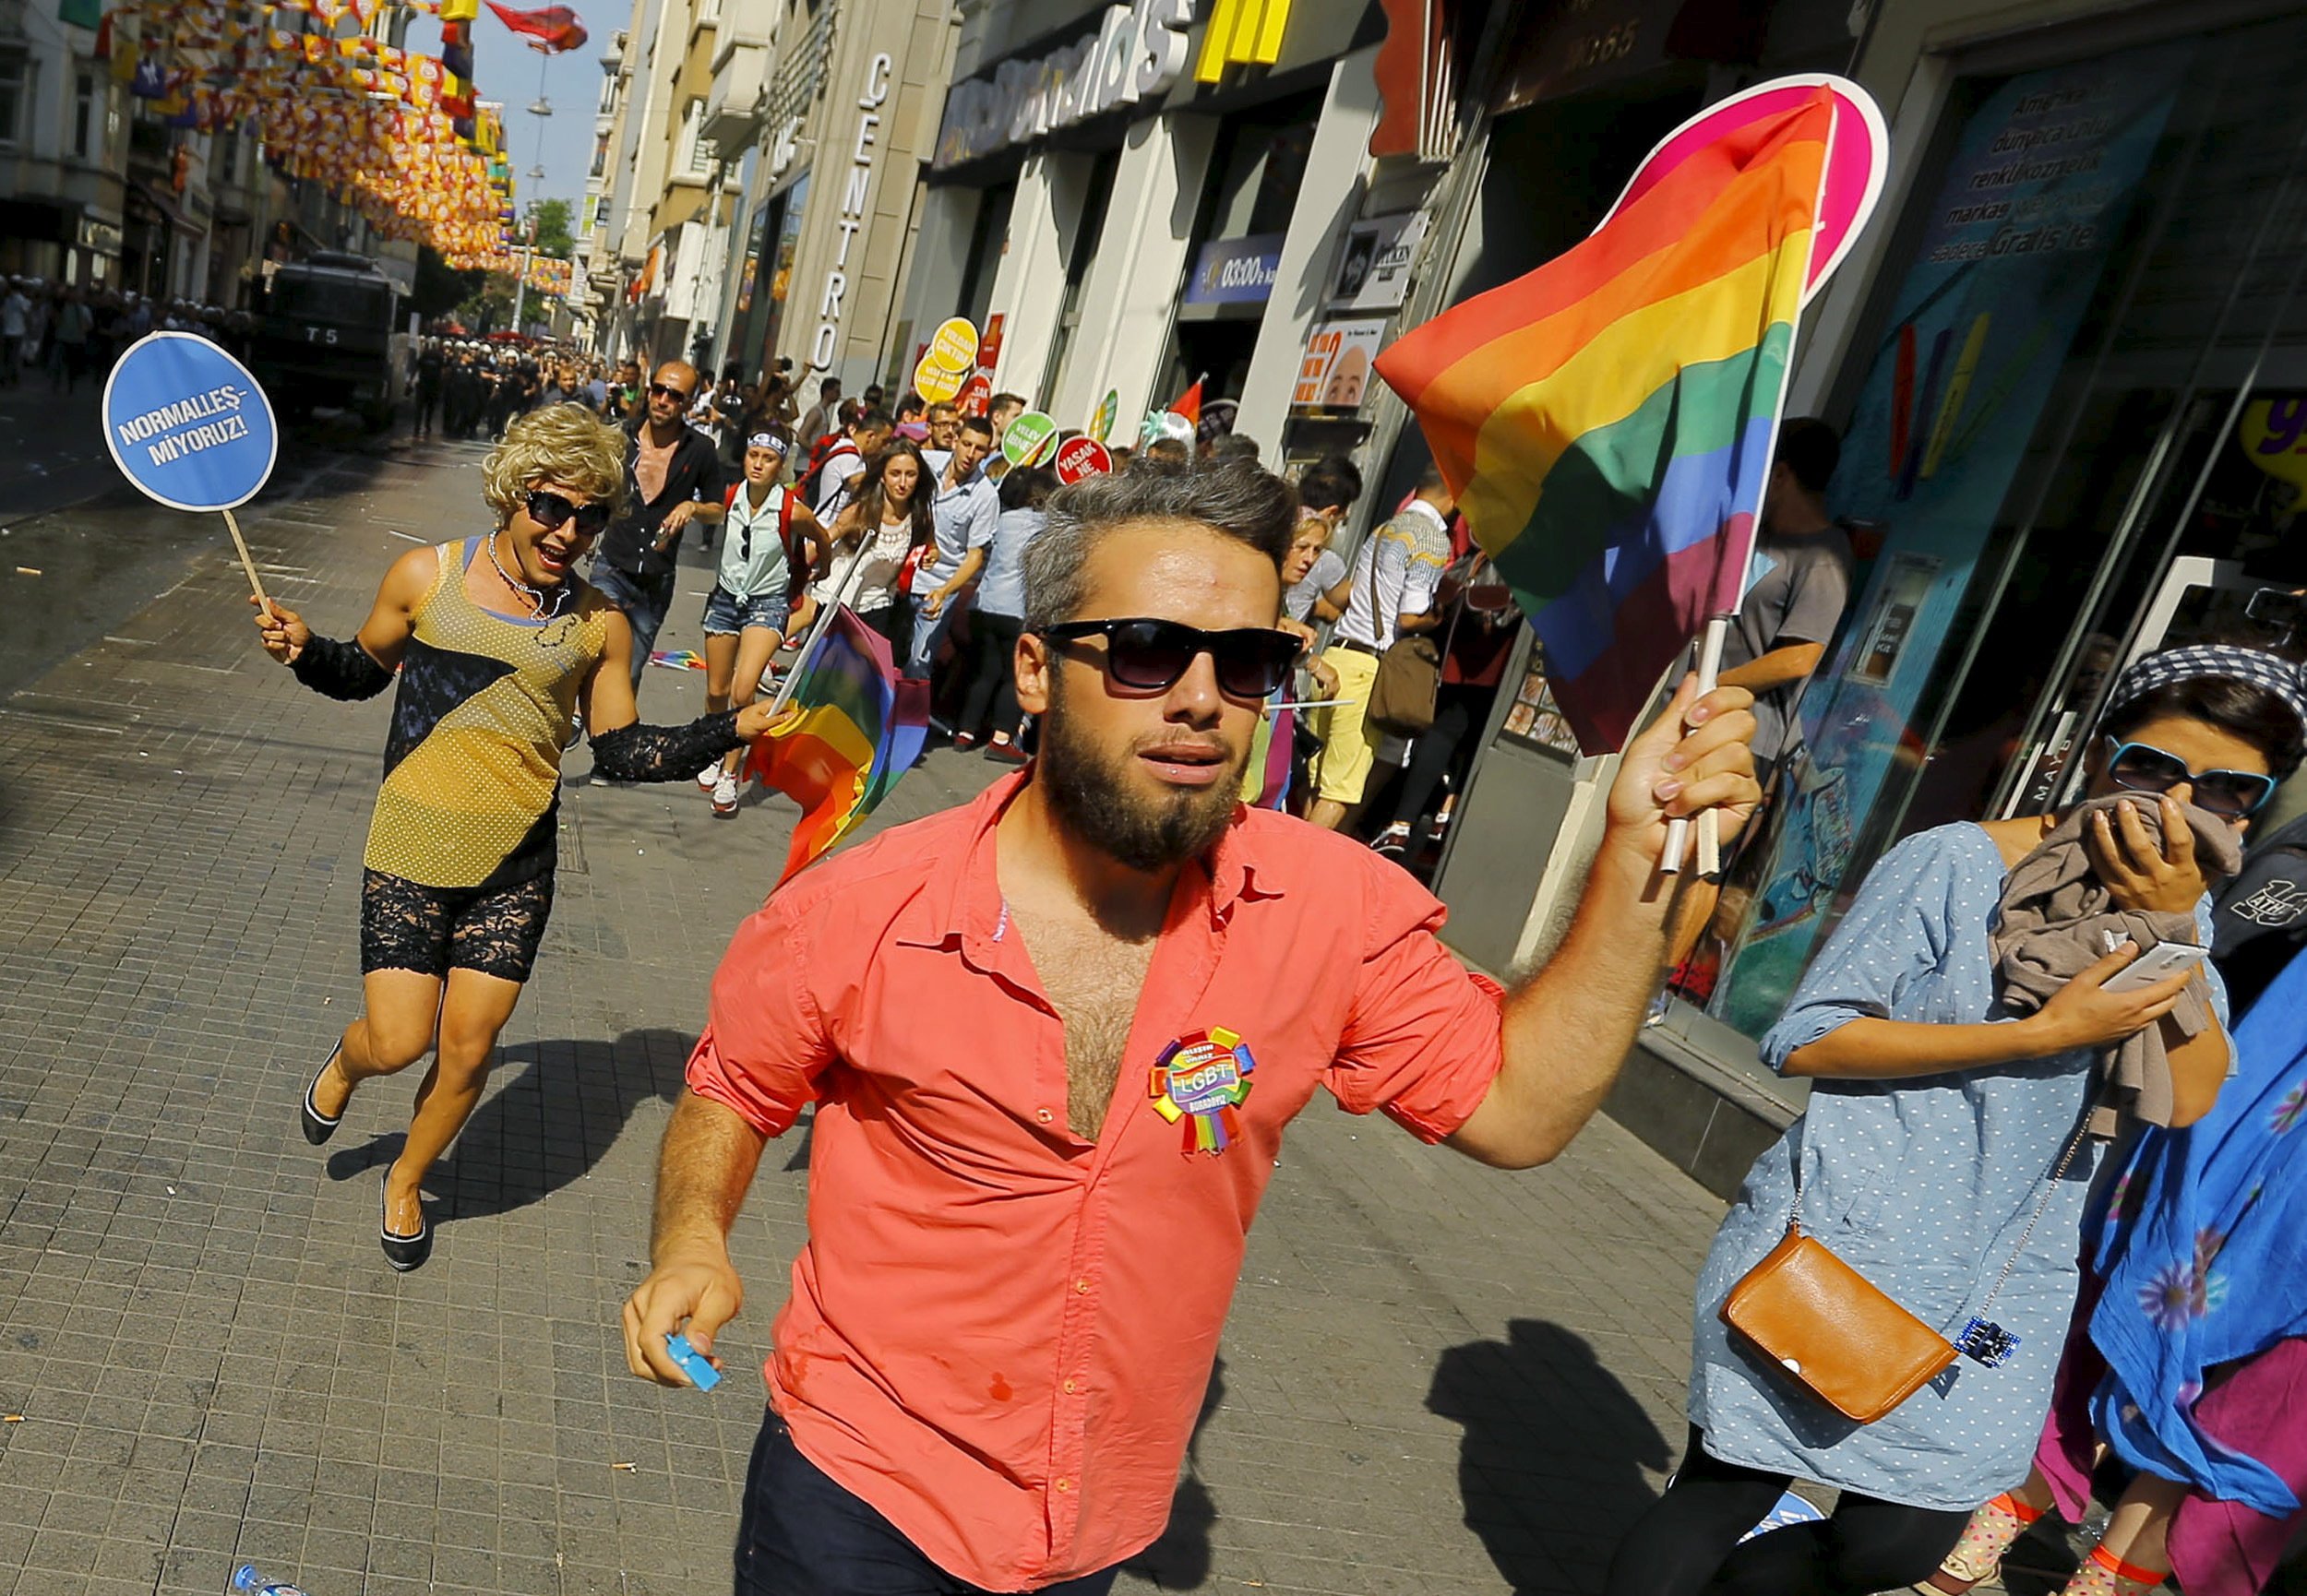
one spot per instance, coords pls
(245, 1577)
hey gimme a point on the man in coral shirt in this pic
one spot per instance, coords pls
(1054, 1036)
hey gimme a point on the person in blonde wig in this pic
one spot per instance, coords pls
(499, 644)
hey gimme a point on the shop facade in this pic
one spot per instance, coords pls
(1126, 199)
(2069, 367)
(828, 128)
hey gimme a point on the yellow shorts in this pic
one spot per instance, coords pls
(1349, 742)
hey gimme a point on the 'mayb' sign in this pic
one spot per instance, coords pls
(1138, 49)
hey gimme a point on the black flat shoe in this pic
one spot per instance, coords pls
(319, 1128)
(403, 1253)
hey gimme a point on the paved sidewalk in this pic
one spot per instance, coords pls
(1436, 1379)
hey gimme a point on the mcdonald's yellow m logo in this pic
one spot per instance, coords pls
(1241, 33)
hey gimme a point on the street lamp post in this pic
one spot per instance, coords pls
(528, 248)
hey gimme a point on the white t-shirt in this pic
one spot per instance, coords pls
(12, 313)
(838, 475)
(1396, 574)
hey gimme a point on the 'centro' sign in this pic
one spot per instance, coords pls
(1138, 49)
(853, 212)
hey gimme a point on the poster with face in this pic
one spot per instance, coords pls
(1334, 374)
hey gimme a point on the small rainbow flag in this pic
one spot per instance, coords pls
(857, 728)
(1607, 420)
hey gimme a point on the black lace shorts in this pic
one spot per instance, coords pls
(494, 929)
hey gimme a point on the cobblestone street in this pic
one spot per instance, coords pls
(1436, 1379)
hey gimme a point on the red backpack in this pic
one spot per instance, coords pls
(821, 453)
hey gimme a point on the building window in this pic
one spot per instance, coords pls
(709, 13)
(608, 88)
(600, 155)
(696, 155)
(16, 94)
(83, 113)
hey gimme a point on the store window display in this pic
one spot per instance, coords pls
(2077, 434)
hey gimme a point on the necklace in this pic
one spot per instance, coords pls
(536, 598)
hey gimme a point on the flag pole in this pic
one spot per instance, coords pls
(246, 564)
(817, 631)
(1709, 821)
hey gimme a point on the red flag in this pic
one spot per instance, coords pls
(555, 27)
(1188, 404)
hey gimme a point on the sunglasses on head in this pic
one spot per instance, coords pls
(1151, 656)
(666, 388)
(2143, 768)
(549, 510)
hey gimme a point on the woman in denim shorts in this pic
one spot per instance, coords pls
(769, 543)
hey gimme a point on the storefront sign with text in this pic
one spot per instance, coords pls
(1374, 273)
(1235, 270)
(1136, 53)
(853, 212)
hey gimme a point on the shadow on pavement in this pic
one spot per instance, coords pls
(1181, 1559)
(1551, 1465)
(548, 1126)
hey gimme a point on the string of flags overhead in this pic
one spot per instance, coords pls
(401, 137)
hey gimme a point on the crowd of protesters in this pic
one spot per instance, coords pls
(919, 525)
(67, 335)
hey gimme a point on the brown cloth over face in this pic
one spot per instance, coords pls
(2057, 920)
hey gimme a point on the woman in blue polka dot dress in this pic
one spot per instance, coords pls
(1934, 1122)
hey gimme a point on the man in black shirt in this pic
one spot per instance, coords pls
(430, 369)
(674, 477)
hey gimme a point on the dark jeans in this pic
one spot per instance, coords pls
(1687, 1544)
(644, 603)
(894, 623)
(1459, 711)
(992, 673)
(801, 1534)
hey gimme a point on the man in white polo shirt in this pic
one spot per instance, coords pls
(1394, 579)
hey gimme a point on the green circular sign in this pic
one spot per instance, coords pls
(1029, 434)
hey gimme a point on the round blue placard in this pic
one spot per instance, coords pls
(187, 423)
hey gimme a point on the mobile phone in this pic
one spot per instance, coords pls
(2159, 963)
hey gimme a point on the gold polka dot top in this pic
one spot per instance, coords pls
(485, 705)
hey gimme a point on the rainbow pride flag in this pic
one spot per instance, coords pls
(1607, 420)
(859, 727)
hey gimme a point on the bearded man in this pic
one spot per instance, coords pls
(1032, 1026)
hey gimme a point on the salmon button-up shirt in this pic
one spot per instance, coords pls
(1000, 1332)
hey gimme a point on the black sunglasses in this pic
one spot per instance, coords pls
(1150, 655)
(550, 510)
(657, 387)
(2143, 768)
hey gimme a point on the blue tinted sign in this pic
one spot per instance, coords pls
(187, 423)
(1235, 270)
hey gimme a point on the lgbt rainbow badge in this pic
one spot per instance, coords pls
(1199, 1082)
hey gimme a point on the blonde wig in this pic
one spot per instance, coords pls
(564, 443)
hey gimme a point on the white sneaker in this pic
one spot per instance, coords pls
(725, 796)
(709, 777)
